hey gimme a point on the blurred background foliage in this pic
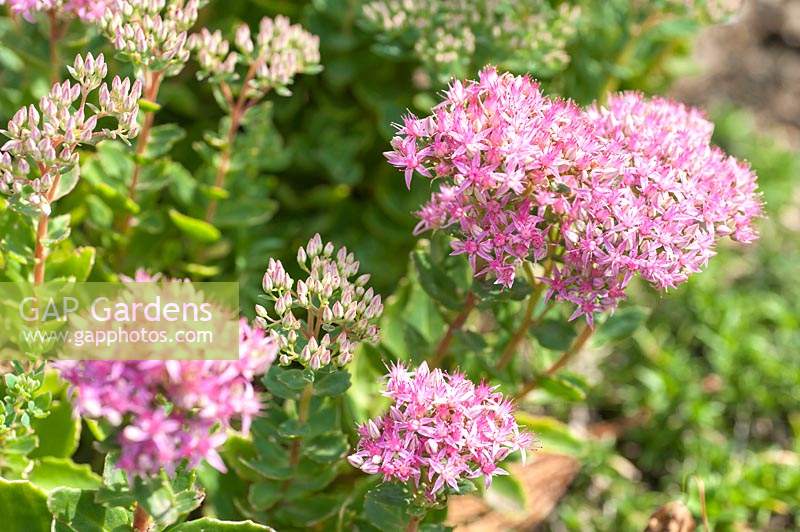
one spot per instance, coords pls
(701, 403)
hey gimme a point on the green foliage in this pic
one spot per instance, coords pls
(703, 381)
(23, 506)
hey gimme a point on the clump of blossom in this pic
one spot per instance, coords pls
(167, 412)
(440, 429)
(152, 34)
(322, 318)
(270, 61)
(86, 10)
(506, 156)
(661, 214)
(447, 34)
(599, 196)
(43, 138)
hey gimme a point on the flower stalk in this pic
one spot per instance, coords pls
(141, 521)
(576, 347)
(527, 320)
(152, 86)
(443, 346)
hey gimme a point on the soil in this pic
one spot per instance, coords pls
(754, 63)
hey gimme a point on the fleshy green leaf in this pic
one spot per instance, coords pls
(50, 473)
(622, 324)
(162, 138)
(209, 524)
(194, 228)
(387, 507)
(23, 507)
(554, 334)
(335, 383)
(76, 510)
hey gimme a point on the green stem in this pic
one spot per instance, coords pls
(153, 84)
(302, 416)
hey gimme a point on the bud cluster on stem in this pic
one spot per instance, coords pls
(321, 319)
(244, 76)
(43, 139)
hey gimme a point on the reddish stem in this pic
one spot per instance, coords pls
(562, 361)
(40, 250)
(153, 83)
(240, 107)
(458, 322)
(141, 521)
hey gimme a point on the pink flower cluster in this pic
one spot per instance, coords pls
(171, 411)
(440, 429)
(597, 195)
(86, 10)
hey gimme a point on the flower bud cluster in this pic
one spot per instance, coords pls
(152, 34)
(322, 318)
(443, 33)
(273, 56)
(43, 139)
(86, 10)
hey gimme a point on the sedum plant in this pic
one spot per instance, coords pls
(346, 410)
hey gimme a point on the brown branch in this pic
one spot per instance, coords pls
(455, 325)
(141, 521)
(527, 320)
(562, 361)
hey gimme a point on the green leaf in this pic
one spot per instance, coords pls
(554, 334)
(182, 185)
(100, 213)
(622, 324)
(194, 228)
(76, 510)
(166, 500)
(209, 524)
(332, 384)
(387, 507)
(326, 448)
(50, 473)
(562, 388)
(268, 469)
(67, 183)
(435, 282)
(309, 512)
(506, 494)
(23, 507)
(276, 387)
(263, 495)
(296, 379)
(58, 432)
(162, 138)
(553, 434)
(292, 428)
(68, 263)
(58, 229)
